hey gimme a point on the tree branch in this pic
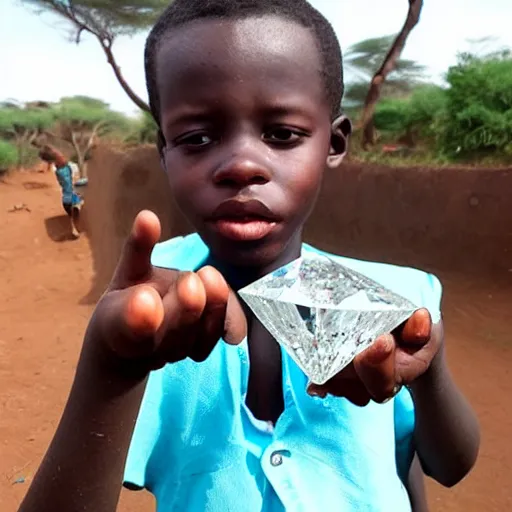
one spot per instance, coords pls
(388, 65)
(107, 48)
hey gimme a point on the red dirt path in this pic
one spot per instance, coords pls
(44, 278)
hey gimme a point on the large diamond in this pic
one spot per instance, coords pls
(324, 313)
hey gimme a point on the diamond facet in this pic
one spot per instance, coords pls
(324, 313)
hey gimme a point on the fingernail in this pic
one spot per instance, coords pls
(315, 393)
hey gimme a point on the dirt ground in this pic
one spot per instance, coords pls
(45, 302)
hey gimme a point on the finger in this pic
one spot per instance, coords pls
(144, 312)
(317, 390)
(416, 331)
(376, 368)
(357, 395)
(183, 306)
(135, 261)
(338, 385)
(214, 313)
(345, 384)
(235, 325)
(129, 320)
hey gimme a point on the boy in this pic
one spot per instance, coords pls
(247, 96)
(71, 201)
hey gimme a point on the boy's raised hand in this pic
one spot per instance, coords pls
(391, 361)
(151, 316)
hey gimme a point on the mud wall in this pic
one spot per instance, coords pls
(120, 185)
(447, 219)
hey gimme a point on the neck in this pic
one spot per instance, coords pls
(240, 276)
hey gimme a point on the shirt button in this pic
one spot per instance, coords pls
(276, 459)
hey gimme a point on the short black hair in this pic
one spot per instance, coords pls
(180, 12)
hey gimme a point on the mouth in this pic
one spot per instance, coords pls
(243, 221)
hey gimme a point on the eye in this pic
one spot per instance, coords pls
(194, 140)
(282, 135)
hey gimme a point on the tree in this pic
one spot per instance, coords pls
(364, 58)
(418, 117)
(143, 130)
(22, 126)
(106, 20)
(81, 120)
(388, 65)
(479, 105)
(8, 155)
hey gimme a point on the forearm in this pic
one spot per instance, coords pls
(83, 467)
(447, 434)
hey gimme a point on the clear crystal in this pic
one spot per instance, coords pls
(324, 313)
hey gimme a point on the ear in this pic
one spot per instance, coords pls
(340, 132)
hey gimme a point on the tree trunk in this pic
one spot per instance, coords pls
(79, 155)
(389, 64)
(107, 48)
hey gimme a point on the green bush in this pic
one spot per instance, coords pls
(479, 107)
(392, 116)
(8, 155)
(418, 116)
(427, 111)
(143, 130)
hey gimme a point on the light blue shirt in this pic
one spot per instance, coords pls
(65, 178)
(197, 447)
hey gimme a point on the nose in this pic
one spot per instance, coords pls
(242, 168)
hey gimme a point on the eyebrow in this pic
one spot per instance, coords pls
(189, 114)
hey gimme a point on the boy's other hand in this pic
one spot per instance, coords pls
(152, 316)
(391, 361)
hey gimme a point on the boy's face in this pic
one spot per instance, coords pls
(248, 133)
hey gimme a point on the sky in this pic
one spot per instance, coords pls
(32, 45)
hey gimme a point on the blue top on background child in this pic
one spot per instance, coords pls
(64, 176)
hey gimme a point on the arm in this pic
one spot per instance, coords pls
(141, 323)
(83, 468)
(416, 487)
(447, 434)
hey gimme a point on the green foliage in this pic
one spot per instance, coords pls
(8, 155)
(16, 121)
(469, 120)
(82, 114)
(392, 116)
(21, 126)
(108, 18)
(143, 130)
(418, 116)
(363, 59)
(479, 107)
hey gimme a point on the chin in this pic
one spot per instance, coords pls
(255, 257)
(248, 255)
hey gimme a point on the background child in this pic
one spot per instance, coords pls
(247, 96)
(71, 201)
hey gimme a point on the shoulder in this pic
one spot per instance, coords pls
(181, 253)
(422, 288)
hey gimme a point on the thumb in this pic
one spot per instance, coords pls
(135, 261)
(376, 368)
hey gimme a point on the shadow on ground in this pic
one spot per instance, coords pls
(58, 228)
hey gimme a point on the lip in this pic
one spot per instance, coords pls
(243, 230)
(243, 221)
(249, 209)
